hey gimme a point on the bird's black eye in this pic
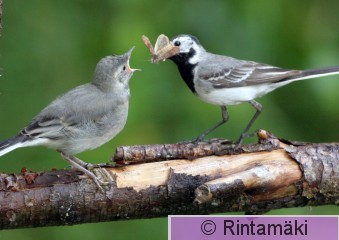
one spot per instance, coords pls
(124, 68)
(177, 43)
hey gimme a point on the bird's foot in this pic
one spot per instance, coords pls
(193, 141)
(87, 169)
(187, 142)
(242, 137)
(199, 141)
(200, 138)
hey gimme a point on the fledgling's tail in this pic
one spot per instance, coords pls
(12, 143)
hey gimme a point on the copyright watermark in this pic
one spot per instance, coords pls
(208, 227)
(249, 227)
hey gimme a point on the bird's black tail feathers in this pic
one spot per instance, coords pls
(317, 72)
(12, 143)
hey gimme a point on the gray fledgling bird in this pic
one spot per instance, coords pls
(83, 118)
(224, 81)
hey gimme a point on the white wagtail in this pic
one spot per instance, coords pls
(83, 118)
(224, 81)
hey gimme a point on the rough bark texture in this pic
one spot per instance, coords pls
(255, 178)
(127, 155)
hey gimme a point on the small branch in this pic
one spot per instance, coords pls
(126, 155)
(256, 178)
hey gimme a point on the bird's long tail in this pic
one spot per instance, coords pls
(12, 143)
(315, 73)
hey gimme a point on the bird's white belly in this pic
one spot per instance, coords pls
(233, 96)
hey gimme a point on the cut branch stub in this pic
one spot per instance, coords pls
(320, 165)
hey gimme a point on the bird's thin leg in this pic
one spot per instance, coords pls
(83, 164)
(224, 115)
(78, 164)
(244, 134)
(89, 166)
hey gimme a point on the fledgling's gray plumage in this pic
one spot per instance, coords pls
(85, 117)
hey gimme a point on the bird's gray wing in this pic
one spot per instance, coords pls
(73, 124)
(50, 127)
(245, 73)
(69, 114)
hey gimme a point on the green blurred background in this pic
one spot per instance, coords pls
(49, 47)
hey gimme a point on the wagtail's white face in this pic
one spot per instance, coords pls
(185, 43)
(190, 47)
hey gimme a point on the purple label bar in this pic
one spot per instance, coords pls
(254, 228)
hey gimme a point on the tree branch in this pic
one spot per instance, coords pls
(181, 178)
